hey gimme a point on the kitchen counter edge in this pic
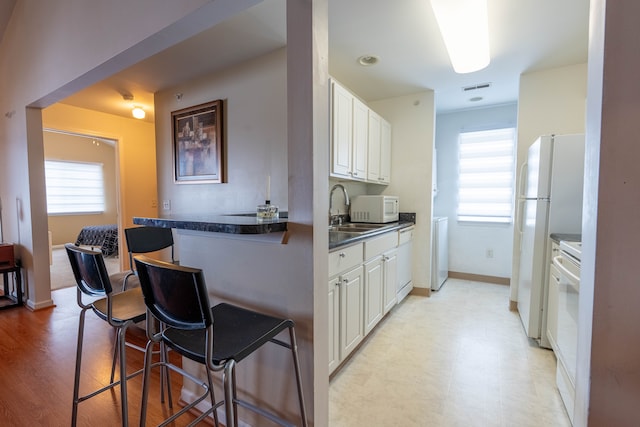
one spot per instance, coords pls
(360, 238)
(230, 224)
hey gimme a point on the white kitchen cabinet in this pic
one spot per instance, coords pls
(351, 311)
(379, 155)
(360, 139)
(342, 130)
(349, 120)
(363, 287)
(390, 264)
(345, 309)
(373, 292)
(334, 323)
(385, 152)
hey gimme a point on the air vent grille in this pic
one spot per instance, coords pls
(476, 87)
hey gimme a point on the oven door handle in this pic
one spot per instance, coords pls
(557, 261)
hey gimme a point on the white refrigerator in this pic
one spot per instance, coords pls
(549, 202)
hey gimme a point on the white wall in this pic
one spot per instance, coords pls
(551, 101)
(469, 242)
(412, 119)
(255, 131)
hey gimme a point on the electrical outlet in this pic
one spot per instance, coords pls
(489, 253)
(154, 203)
(166, 205)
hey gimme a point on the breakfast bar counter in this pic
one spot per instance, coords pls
(228, 224)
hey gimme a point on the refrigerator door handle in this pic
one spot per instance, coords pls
(521, 183)
(519, 216)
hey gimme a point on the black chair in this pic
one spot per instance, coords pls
(218, 337)
(143, 240)
(120, 310)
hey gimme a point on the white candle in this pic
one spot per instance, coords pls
(268, 187)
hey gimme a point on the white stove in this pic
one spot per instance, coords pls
(572, 248)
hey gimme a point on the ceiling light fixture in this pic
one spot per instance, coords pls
(368, 60)
(465, 30)
(138, 113)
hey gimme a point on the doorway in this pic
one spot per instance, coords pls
(76, 208)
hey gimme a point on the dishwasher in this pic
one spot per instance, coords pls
(439, 253)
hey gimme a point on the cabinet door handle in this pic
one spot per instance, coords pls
(345, 281)
(342, 255)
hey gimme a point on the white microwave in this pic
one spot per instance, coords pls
(377, 209)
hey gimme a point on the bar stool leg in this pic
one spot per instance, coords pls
(296, 364)
(230, 407)
(123, 374)
(76, 382)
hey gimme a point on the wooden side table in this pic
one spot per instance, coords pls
(7, 300)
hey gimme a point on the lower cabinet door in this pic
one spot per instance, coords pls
(334, 323)
(351, 316)
(373, 293)
(390, 279)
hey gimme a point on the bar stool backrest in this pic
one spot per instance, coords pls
(142, 240)
(175, 295)
(89, 270)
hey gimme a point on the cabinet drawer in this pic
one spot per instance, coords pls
(381, 244)
(405, 235)
(344, 258)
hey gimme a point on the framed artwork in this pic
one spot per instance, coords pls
(197, 144)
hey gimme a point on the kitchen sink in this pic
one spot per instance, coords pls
(357, 228)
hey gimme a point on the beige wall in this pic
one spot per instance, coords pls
(136, 157)
(552, 101)
(412, 119)
(75, 148)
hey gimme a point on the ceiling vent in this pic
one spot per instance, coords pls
(476, 87)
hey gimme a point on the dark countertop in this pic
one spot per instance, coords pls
(557, 237)
(249, 224)
(337, 239)
(231, 224)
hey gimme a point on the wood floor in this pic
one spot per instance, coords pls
(37, 360)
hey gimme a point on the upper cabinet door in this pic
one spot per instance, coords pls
(342, 132)
(360, 139)
(385, 152)
(373, 170)
(360, 142)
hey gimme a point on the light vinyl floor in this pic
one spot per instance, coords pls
(457, 358)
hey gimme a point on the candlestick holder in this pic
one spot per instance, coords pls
(267, 212)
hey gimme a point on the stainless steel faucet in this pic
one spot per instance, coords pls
(346, 202)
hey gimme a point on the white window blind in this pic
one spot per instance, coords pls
(74, 187)
(486, 176)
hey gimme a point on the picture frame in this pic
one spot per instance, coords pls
(198, 144)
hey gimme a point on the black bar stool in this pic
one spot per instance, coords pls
(120, 310)
(217, 337)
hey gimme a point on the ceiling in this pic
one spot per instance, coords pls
(525, 36)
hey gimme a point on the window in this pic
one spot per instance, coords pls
(74, 187)
(486, 176)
